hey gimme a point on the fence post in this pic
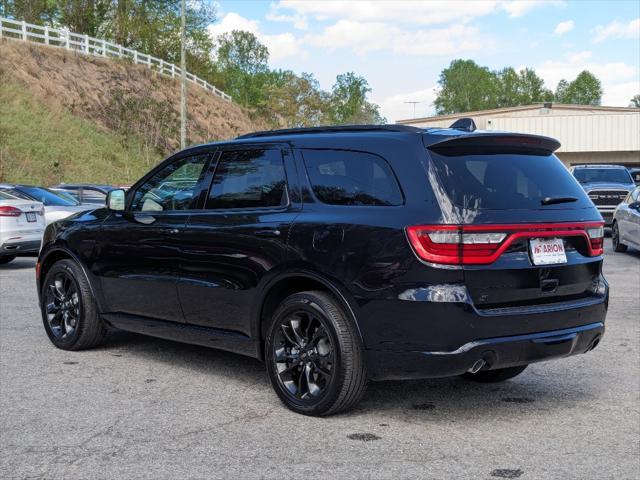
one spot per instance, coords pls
(24, 30)
(162, 66)
(135, 56)
(173, 71)
(46, 35)
(68, 37)
(86, 44)
(104, 48)
(0, 27)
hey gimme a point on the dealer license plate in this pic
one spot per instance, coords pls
(547, 251)
(31, 217)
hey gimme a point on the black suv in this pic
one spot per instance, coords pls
(340, 255)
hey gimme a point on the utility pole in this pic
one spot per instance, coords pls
(414, 107)
(183, 76)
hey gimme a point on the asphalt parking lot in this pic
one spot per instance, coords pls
(145, 408)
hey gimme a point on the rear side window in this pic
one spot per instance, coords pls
(340, 177)
(507, 181)
(249, 179)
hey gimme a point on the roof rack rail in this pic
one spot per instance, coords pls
(335, 128)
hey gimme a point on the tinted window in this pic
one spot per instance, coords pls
(506, 181)
(609, 175)
(341, 177)
(93, 196)
(48, 197)
(172, 188)
(249, 179)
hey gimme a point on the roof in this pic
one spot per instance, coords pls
(520, 108)
(331, 129)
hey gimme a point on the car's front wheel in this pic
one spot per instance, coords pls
(615, 239)
(69, 311)
(314, 355)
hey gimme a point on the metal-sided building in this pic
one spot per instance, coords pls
(588, 134)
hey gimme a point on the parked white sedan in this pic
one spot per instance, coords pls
(56, 205)
(21, 226)
(625, 229)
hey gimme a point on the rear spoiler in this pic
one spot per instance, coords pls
(492, 143)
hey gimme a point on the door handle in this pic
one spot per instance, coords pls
(173, 231)
(271, 232)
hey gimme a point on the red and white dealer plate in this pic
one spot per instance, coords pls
(547, 251)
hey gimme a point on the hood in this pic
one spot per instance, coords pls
(607, 186)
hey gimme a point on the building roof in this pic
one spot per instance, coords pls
(535, 106)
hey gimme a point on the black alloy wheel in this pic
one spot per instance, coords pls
(62, 305)
(69, 311)
(314, 355)
(304, 356)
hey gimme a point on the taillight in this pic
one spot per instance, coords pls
(483, 244)
(596, 239)
(7, 211)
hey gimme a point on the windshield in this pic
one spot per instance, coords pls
(49, 198)
(606, 175)
(508, 181)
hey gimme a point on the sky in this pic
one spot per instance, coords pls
(401, 47)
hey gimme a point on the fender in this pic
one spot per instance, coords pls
(47, 251)
(331, 284)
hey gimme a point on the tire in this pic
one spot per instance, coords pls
(494, 376)
(69, 311)
(6, 259)
(615, 239)
(329, 377)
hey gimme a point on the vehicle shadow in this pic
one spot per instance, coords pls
(20, 263)
(407, 401)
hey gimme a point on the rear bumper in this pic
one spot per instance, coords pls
(441, 337)
(498, 352)
(19, 247)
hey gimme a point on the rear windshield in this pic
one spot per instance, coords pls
(507, 181)
(607, 175)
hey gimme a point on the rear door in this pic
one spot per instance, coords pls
(525, 224)
(238, 237)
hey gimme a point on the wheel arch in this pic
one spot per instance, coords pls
(288, 283)
(55, 254)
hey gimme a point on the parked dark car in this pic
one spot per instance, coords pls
(341, 255)
(625, 231)
(84, 193)
(606, 185)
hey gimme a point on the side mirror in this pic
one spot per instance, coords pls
(116, 200)
(634, 206)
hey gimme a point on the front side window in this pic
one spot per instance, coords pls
(249, 179)
(340, 177)
(172, 188)
(606, 175)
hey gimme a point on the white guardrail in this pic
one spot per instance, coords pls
(27, 32)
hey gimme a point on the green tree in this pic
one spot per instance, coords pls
(348, 101)
(31, 11)
(465, 86)
(586, 89)
(635, 101)
(83, 16)
(243, 62)
(560, 96)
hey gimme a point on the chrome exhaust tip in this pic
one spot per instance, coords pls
(477, 366)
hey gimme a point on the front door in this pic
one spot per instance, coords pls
(238, 237)
(139, 253)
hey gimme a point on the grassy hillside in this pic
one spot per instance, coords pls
(69, 117)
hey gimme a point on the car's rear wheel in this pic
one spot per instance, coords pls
(314, 355)
(69, 311)
(615, 239)
(6, 259)
(494, 376)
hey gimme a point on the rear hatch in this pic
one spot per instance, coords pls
(519, 224)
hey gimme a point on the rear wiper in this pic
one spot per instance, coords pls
(554, 200)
